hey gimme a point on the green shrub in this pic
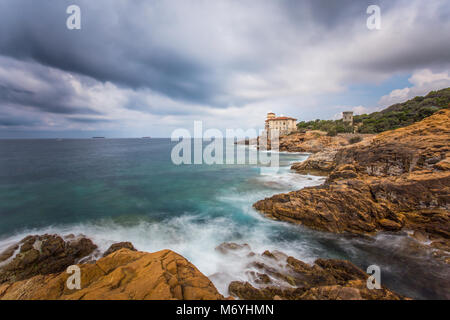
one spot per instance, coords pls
(355, 139)
(332, 132)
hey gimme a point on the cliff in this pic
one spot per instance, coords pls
(396, 180)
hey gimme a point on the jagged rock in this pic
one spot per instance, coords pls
(43, 255)
(326, 279)
(122, 275)
(8, 253)
(390, 225)
(319, 164)
(117, 246)
(311, 141)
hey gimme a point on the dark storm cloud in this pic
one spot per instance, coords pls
(55, 101)
(34, 86)
(117, 44)
(175, 57)
(109, 47)
(9, 121)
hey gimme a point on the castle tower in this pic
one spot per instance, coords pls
(347, 116)
(270, 115)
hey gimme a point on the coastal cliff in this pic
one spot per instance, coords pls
(395, 180)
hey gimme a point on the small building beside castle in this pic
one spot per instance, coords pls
(284, 125)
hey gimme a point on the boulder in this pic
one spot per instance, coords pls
(117, 246)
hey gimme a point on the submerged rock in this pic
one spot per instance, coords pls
(227, 247)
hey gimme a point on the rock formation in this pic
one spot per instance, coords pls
(318, 164)
(312, 141)
(281, 277)
(42, 255)
(117, 246)
(397, 179)
(123, 274)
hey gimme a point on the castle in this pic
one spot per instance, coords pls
(284, 125)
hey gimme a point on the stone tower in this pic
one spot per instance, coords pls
(347, 116)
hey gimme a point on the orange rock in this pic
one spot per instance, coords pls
(124, 274)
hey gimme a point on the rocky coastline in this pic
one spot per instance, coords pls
(395, 181)
(35, 269)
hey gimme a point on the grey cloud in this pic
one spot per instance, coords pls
(118, 42)
(191, 51)
(56, 101)
(88, 120)
(109, 47)
(13, 121)
(47, 90)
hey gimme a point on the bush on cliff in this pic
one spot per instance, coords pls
(396, 116)
(403, 114)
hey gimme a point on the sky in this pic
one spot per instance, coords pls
(146, 68)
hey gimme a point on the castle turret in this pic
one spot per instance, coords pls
(270, 115)
(347, 116)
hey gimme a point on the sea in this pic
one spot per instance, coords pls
(113, 190)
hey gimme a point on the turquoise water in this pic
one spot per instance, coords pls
(129, 190)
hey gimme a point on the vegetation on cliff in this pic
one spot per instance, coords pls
(396, 116)
(332, 127)
(404, 114)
